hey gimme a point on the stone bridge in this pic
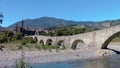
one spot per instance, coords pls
(98, 39)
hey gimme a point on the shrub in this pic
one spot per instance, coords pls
(23, 42)
(50, 48)
(56, 48)
(30, 40)
(45, 47)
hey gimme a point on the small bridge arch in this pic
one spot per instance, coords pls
(49, 42)
(41, 42)
(60, 43)
(75, 43)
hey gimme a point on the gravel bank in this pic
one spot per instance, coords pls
(8, 58)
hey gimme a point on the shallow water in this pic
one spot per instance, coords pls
(103, 62)
(100, 62)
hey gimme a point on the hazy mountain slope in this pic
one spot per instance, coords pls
(1, 28)
(46, 22)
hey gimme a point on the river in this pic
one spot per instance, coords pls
(102, 62)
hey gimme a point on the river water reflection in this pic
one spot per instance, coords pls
(102, 62)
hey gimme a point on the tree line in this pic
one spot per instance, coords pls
(66, 31)
(11, 37)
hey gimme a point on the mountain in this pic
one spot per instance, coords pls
(47, 22)
(1, 28)
(105, 24)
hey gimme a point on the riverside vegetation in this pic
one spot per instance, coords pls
(18, 41)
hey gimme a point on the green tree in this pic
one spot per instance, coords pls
(17, 36)
(88, 30)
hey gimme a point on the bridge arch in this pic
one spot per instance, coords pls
(41, 42)
(75, 42)
(108, 40)
(61, 44)
(49, 42)
(35, 37)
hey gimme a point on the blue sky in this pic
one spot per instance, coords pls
(78, 10)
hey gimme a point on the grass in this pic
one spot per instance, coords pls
(39, 47)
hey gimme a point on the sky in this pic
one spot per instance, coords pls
(77, 10)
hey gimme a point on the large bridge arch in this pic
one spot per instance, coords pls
(108, 40)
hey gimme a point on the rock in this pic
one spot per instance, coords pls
(105, 52)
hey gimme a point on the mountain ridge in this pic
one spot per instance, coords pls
(48, 22)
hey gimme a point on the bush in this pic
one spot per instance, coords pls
(45, 47)
(30, 40)
(17, 36)
(9, 36)
(24, 42)
(50, 48)
(56, 48)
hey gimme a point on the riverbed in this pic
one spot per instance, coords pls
(82, 57)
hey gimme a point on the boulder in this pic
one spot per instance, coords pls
(105, 52)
